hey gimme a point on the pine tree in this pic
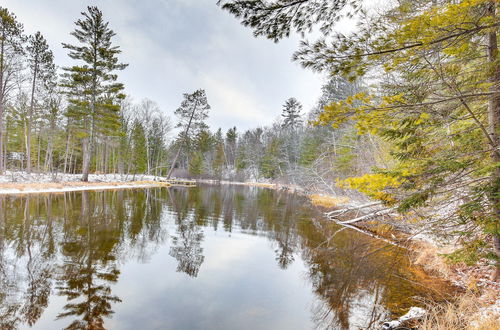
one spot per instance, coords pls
(310, 150)
(196, 163)
(292, 114)
(157, 140)
(336, 89)
(139, 148)
(43, 72)
(231, 138)
(272, 163)
(292, 121)
(53, 103)
(91, 86)
(192, 115)
(219, 155)
(11, 39)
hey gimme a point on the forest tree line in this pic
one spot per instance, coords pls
(77, 119)
(422, 135)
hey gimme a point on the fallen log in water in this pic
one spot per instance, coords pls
(348, 223)
(366, 232)
(352, 208)
(369, 216)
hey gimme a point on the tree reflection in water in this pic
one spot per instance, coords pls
(74, 245)
(186, 248)
(89, 265)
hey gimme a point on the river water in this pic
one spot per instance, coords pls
(211, 257)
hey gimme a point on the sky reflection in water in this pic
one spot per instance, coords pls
(193, 258)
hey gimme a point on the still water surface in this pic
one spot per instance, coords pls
(212, 257)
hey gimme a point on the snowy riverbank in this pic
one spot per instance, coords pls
(24, 183)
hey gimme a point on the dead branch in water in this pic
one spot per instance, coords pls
(340, 212)
(366, 232)
(368, 216)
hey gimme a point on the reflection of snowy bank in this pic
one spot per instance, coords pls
(23, 183)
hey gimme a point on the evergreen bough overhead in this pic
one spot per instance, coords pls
(278, 18)
(437, 103)
(91, 84)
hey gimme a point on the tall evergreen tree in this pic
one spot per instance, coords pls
(139, 148)
(292, 113)
(91, 84)
(192, 115)
(11, 39)
(218, 160)
(292, 121)
(336, 89)
(53, 116)
(43, 72)
(231, 138)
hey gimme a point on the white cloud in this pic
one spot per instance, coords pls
(175, 47)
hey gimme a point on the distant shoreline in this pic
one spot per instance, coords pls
(47, 187)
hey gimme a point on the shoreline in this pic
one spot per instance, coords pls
(424, 252)
(61, 187)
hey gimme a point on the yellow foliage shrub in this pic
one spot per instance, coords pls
(327, 201)
(372, 185)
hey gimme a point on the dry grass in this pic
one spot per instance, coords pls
(468, 311)
(76, 184)
(327, 201)
(261, 185)
(464, 313)
(34, 186)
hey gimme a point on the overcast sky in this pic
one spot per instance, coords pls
(178, 46)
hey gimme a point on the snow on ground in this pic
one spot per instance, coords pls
(23, 177)
(23, 183)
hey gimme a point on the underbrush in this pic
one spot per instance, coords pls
(478, 308)
(466, 312)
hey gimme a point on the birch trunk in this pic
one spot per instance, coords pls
(494, 130)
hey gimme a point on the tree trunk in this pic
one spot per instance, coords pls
(50, 148)
(494, 130)
(86, 152)
(48, 156)
(1, 138)
(148, 154)
(70, 163)
(105, 157)
(66, 153)
(39, 149)
(2, 98)
(186, 132)
(158, 159)
(175, 161)
(30, 118)
(88, 144)
(121, 163)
